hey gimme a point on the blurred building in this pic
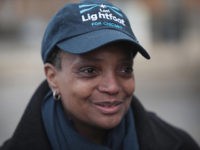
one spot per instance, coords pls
(169, 19)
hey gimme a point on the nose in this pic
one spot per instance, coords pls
(109, 84)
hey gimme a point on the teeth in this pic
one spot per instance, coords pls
(108, 104)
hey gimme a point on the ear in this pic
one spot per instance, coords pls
(51, 75)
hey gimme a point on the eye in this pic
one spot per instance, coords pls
(88, 71)
(126, 71)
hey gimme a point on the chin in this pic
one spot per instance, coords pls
(110, 122)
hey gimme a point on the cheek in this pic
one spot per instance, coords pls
(75, 99)
(129, 86)
(82, 89)
(76, 92)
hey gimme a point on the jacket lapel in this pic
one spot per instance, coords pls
(152, 132)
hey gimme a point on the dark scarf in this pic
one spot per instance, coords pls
(63, 136)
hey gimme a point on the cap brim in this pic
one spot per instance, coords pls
(93, 40)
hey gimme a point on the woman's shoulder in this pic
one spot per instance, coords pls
(30, 133)
(153, 129)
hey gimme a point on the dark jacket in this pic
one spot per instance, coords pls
(153, 133)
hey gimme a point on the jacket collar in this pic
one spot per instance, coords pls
(153, 133)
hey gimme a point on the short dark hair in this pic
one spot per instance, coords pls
(54, 58)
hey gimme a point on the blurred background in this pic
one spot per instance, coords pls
(168, 84)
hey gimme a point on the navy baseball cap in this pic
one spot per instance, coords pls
(85, 26)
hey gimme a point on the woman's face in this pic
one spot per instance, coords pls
(96, 87)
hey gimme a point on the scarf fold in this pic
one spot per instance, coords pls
(63, 136)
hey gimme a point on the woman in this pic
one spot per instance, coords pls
(87, 99)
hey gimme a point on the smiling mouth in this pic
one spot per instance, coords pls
(109, 104)
(108, 108)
